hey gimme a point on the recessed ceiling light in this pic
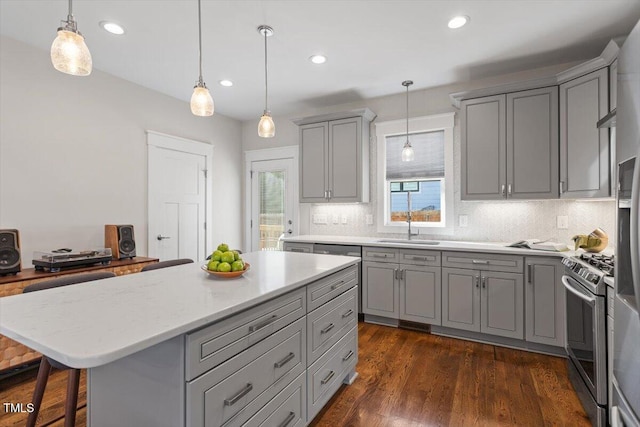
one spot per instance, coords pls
(318, 59)
(458, 21)
(226, 83)
(112, 27)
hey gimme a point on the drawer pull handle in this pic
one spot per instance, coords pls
(327, 328)
(379, 255)
(267, 322)
(322, 252)
(337, 285)
(480, 261)
(284, 361)
(418, 258)
(348, 356)
(327, 378)
(290, 417)
(240, 395)
(347, 313)
(296, 250)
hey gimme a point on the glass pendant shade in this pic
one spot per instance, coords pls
(70, 54)
(201, 101)
(407, 152)
(266, 127)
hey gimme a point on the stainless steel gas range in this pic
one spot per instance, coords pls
(586, 330)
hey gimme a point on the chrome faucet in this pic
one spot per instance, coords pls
(409, 233)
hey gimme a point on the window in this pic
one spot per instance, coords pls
(426, 183)
(415, 186)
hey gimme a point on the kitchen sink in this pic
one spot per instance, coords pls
(409, 242)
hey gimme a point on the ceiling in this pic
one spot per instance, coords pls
(372, 46)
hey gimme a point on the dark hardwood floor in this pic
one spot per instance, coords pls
(407, 379)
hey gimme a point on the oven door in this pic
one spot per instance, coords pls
(586, 338)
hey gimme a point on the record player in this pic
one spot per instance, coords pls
(64, 258)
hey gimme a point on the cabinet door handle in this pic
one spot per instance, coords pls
(327, 328)
(240, 395)
(561, 187)
(484, 282)
(502, 190)
(402, 274)
(509, 189)
(479, 261)
(287, 420)
(395, 274)
(289, 357)
(326, 194)
(327, 378)
(477, 281)
(529, 273)
(337, 285)
(264, 323)
(347, 313)
(348, 356)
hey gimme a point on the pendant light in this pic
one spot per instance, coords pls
(69, 53)
(201, 100)
(407, 151)
(266, 127)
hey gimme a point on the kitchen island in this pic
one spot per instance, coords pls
(169, 347)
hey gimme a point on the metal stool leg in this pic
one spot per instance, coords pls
(72, 398)
(38, 393)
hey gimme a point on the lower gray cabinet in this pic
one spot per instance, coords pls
(402, 291)
(544, 301)
(483, 301)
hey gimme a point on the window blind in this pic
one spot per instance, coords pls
(429, 156)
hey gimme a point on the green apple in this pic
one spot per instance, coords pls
(223, 247)
(213, 265)
(237, 266)
(227, 257)
(216, 255)
(236, 255)
(224, 267)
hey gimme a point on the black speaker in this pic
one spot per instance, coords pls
(121, 240)
(10, 260)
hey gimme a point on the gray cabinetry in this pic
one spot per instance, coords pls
(584, 149)
(510, 146)
(334, 157)
(488, 300)
(407, 290)
(544, 301)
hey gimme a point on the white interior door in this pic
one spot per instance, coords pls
(271, 190)
(177, 185)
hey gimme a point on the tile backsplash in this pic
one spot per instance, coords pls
(498, 221)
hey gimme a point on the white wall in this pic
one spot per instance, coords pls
(487, 221)
(73, 154)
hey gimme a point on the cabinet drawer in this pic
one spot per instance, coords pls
(213, 345)
(298, 247)
(256, 374)
(326, 289)
(327, 324)
(480, 261)
(287, 409)
(418, 257)
(380, 254)
(325, 376)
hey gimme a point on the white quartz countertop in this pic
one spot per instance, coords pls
(443, 245)
(94, 323)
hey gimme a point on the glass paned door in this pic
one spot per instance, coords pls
(271, 203)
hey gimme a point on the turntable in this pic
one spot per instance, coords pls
(64, 258)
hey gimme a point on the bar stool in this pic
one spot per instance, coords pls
(165, 264)
(73, 383)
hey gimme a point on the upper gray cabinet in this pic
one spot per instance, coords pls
(510, 146)
(334, 157)
(584, 148)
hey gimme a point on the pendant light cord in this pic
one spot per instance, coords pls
(407, 113)
(200, 42)
(70, 17)
(266, 87)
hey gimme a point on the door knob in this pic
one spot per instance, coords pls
(161, 237)
(289, 231)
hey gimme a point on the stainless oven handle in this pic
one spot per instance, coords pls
(568, 286)
(635, 219)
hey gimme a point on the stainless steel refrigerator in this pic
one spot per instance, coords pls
(625, 410)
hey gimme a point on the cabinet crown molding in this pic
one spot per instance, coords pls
(365, 113)
(608, 55)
